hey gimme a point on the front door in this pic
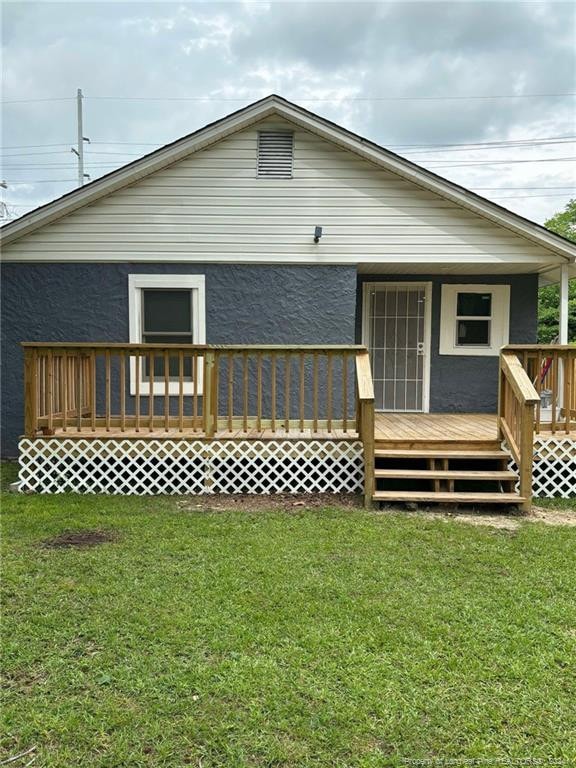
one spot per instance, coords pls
(397, 333)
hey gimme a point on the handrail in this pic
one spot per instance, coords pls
(201, 347)
(517, 399)
(518, 378)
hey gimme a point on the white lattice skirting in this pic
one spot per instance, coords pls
(142, 467)
(554, 473)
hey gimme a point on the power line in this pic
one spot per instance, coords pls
(471, 164)
(315, 99)
(471, 145)
(501, 162)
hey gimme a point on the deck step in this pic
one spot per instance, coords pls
(448, 498)
(407, 453)
(444, 474)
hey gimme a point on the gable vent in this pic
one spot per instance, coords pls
(275, 154)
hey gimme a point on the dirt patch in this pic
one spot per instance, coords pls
(504, 519)
(274, 502)
(79, 539)
(553, 516)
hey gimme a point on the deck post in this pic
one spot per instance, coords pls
(527, 455)
(30, 392)
(367, 432)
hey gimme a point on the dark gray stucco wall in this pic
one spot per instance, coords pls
(89, 302)
(461, 383)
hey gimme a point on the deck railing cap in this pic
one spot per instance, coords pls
(191, 347)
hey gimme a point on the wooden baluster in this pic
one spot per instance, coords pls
(151, 361)
(137, 374)
(195, 390)
(50, 363)
(86, 378)
(572, 357)
(345, 392)
(180, 390)
(315, 392)
(166, 390)
(259, 391)
(568, 384)
(107, 396)
(329, 391)
(230, 391)
(302, 399)
(245, 392)
(554, 388)
(123, 356)
(30, 392)
(79, 387)
(92, 387)
(57, 401)
(273, 390)
(216, 391)
(207, 401)
(287, 373)
(538, 388)
(65, 392)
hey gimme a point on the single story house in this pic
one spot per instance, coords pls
(275, 303)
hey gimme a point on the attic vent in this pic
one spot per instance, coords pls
(275, 154)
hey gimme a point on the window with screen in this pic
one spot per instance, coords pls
(167, 319)
(167, 309)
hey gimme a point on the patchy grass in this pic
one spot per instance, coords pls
(321, 637)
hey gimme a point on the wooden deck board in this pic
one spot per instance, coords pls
(173, 433)
(436, 427)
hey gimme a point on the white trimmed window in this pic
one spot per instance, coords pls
(166, 309)
(474, 319)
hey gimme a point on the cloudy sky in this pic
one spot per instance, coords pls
(494, 81)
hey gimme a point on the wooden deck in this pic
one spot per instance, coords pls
(403, 429)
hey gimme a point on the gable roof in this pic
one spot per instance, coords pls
(274, 105)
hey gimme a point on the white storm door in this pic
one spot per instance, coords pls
(397, 333)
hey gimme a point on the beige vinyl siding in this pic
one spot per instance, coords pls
(212, 206)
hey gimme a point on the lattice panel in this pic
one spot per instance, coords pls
(144, 467)
(554, 469)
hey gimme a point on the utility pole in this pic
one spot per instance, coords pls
(79, 151)
(4, 212)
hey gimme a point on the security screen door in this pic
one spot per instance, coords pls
(397, 339)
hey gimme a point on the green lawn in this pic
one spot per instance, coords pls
(317, 637)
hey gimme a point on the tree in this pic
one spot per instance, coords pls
(563, 223)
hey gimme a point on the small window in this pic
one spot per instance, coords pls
(166, 309)
(275, 154)
(474, 319)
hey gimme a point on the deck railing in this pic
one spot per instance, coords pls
(152, 390)
(161, 388)
(552, 370)
(517, 400)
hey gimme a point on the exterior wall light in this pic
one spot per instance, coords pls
(317, 234)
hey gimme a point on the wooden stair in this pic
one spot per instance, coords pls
(443, 471)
